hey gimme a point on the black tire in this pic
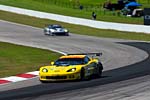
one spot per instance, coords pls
(82, 74)
(100, 65)
(99, 73)
(99, 70)
(45, 33)
(50, 33)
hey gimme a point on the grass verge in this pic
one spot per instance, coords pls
(47, 6)
(15, 59)
(83, 30)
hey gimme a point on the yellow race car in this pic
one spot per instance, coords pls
(72, 67)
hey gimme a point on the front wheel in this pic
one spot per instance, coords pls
(82, 74)
(83, 77)
(99, 69)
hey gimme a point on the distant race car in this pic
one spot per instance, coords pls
(72, 67)
(55, 30)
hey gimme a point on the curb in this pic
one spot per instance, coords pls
(25, 76)
(19, 77)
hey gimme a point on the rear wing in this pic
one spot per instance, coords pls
(88, 54)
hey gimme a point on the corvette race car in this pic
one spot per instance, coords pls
(72, 67)
(55, 30)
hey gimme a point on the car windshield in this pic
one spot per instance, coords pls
(56, 26)
(69, 61)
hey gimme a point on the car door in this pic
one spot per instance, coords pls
(89, 69)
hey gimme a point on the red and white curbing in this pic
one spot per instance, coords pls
(19, 77)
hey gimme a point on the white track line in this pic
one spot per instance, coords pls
(79, 21)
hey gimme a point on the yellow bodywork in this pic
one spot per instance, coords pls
(59, 73)
(70, 72)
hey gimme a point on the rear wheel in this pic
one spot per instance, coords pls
(99, 73)
(52, 34)
(99, 70)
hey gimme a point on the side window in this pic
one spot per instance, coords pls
(86, 60)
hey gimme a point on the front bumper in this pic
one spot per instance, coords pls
(60, 33)
(55, 33)
(58, 77)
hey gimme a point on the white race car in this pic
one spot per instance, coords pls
(55, 30)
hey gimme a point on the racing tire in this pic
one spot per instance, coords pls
(50, 33)
(53, 34)
(83, 77)
(82, 74)
(99, 70)
(99, 73)
(45, 33)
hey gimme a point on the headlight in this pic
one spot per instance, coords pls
(52, 30)
(46, 29)
(72, 70)
(44, 70)
(65, 30)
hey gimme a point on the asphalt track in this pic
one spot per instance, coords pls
(121, 62)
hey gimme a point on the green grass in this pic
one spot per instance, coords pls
(15, 59)
(84, 30)
(89, 2)
(62, 6)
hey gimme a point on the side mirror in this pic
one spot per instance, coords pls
(52, 63)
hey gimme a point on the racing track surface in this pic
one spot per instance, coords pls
(117, 59)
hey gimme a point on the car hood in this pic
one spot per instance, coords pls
(61, 69)
(59, 29)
